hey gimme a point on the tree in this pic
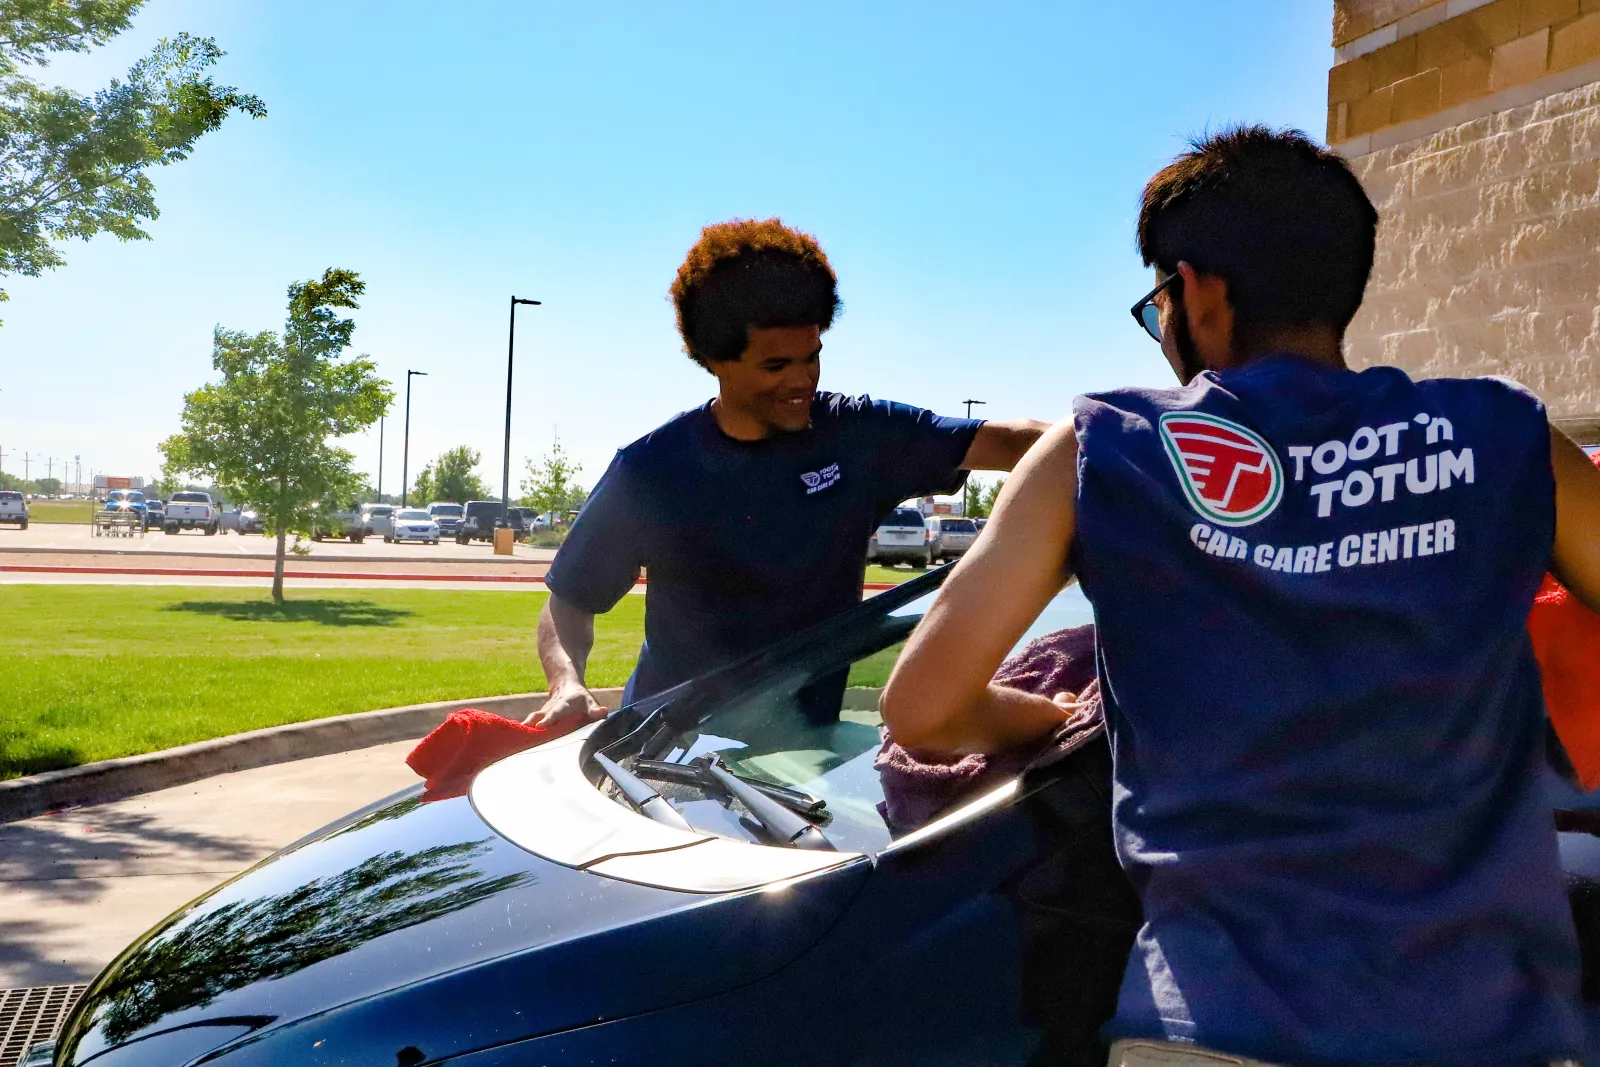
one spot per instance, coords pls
(74, 166)
(983, 497)
(48, 486)
(451, 477)
(549, 485)
(266, 430)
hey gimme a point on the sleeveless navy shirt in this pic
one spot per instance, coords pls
(1312, 589)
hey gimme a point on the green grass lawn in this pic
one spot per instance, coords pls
(877, 573)
(92, 672)
(79, 511)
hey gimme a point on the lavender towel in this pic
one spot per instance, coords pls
(917, 789)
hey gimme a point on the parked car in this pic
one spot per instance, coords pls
(447, 515)
(520, 519)
(901, 537)
(14, 508)
(479, 521)
(191, 510)
(414, 524)
(542, 918)
(250, 521)
(375, 520)
(949, 536)
(337, 526)
(155, 513)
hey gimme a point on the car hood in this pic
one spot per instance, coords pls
(416, 926)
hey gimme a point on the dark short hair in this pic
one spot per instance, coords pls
(744, 273)
(1281, 219)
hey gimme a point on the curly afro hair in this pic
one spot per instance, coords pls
(744, 273)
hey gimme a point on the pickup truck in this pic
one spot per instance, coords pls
(191, 511)
(14, 508)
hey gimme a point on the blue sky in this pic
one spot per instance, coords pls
(972, 170)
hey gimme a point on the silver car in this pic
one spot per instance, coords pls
(902, 537)
(375, 520)
(949, 536)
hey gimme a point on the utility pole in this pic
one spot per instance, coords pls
(2, 460)
(77, 473)
(505, 477)
(405, 451)
(380, 459)
(966, 492)
(25, 475)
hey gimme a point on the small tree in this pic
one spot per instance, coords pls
(266, 430)
(983, 496)
(48, 486)
(549, 484)
(451, 477)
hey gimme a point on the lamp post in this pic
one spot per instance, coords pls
(405, 451)
(966, 492)
(505, 477)
(380, 459)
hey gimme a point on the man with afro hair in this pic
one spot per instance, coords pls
(751, 513)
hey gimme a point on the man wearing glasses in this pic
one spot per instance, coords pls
(1311, 588)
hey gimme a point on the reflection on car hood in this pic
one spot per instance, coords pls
(415, 926)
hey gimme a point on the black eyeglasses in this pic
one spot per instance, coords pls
(1145, 312)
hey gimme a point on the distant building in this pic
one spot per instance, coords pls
(1475, 126)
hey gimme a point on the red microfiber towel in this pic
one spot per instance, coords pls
(1566, 638)
(464, 744)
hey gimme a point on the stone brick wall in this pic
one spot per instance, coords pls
(1475, 126)
(1489, 252)
(1437, 60)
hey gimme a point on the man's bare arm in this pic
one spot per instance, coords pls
(1577, 549)
(939, 699)
(1000, 446)
(566, 636)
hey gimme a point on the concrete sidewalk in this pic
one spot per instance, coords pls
(77, 887)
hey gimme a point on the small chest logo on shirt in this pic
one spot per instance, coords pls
(1228, 473)
(817, 481)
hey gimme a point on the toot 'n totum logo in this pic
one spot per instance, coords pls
(1230, 475)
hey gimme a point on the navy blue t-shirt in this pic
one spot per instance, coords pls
(1312, 590)
(747, 542)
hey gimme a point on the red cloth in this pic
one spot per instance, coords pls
(1566, 638)
(464, 744)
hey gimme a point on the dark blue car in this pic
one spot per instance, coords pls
(702, 878)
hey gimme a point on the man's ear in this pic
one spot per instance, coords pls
(1209, 316)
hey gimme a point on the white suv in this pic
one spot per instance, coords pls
(902, 537)
(949, 536)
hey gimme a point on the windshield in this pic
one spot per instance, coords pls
(904, 517)
(10, 495)
(958, 526)
(817, 732)
(189, 498)
(446, 509)
(415, 516)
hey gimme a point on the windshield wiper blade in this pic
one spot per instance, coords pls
(641, 796)
(781, 824)
(689, 774)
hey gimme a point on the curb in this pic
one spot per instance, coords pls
(115, 779)
(376, 576)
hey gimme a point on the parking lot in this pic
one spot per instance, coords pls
(71, 538)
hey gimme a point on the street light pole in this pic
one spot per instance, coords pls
(966, 492)
(380, 459)
(505, 476)
(405, 451)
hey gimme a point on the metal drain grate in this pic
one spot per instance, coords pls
(31, 1015)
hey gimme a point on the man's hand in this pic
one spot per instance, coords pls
(567, 709)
